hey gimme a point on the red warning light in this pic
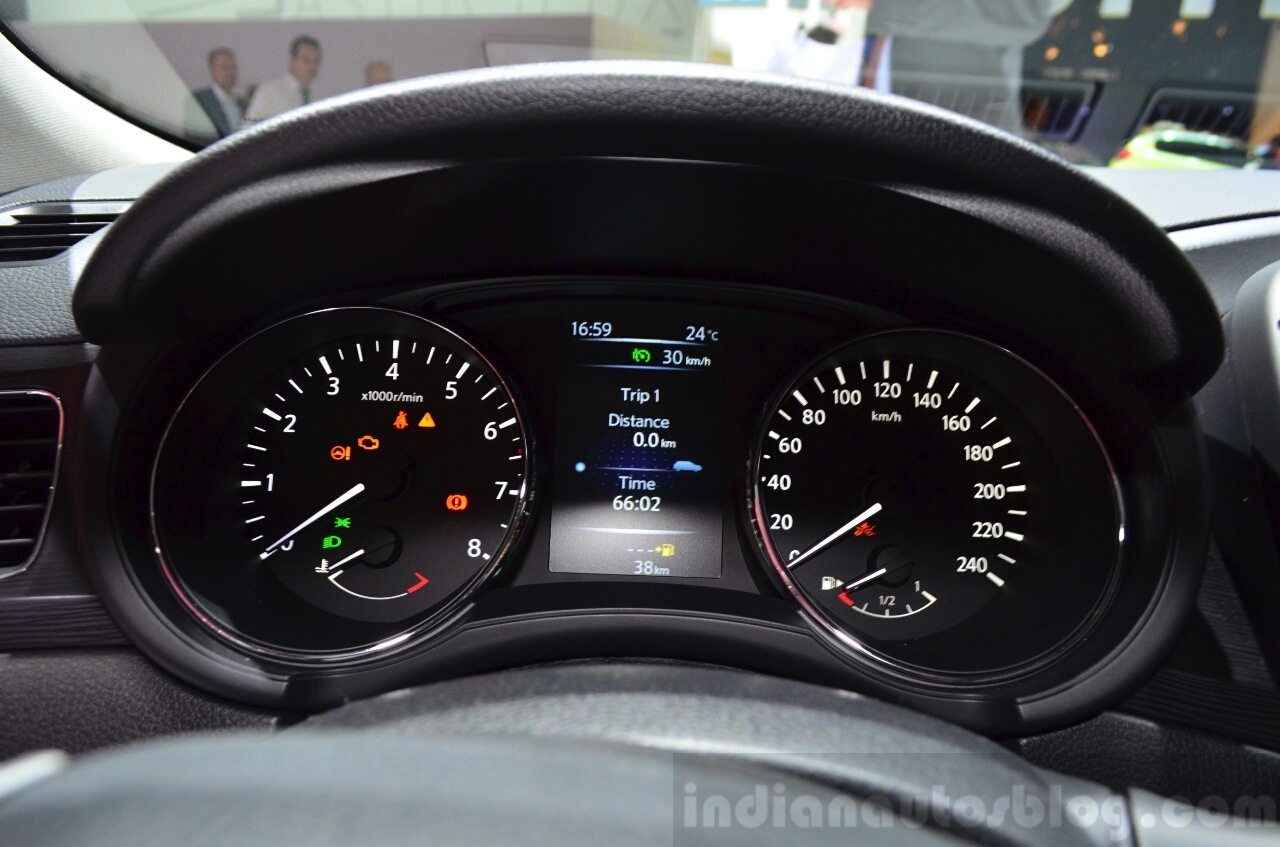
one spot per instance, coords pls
(402, 421)
(456, 502)
(865, 528)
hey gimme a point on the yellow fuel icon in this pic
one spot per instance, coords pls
(665, 550)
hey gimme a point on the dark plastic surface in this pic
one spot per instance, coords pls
(660, 111)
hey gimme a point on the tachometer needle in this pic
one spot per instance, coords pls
(355, 491)
(833, 537)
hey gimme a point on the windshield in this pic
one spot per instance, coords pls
(1186, 84)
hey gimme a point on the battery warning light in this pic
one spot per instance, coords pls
(456, 502)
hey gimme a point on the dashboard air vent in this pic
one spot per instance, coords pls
(30, 444)
(43, 230)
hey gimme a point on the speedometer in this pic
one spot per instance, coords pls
(338, 483)
(937, 505)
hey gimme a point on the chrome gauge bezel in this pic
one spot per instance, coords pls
(846, 644)
(440, 620)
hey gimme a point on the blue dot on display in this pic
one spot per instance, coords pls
(580, 467)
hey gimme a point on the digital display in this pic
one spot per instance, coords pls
(638, 448)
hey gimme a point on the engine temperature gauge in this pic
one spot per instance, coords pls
(933, 501)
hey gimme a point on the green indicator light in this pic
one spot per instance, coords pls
(342, 523)
(332, 541)
(640, 354)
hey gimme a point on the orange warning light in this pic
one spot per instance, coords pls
(402, 421)
(456, 502)
(340, 453)
(865, 528)
(427, 421)
(368, 442)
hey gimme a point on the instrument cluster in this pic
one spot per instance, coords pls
(346, 484)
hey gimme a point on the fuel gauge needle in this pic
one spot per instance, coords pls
(833, 537)
(355, 491)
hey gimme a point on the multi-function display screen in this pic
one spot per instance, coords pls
(638, 475)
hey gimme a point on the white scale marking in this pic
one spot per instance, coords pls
(281, 399)
(256, 447)
(359, 351)
(987, 424)
(307, 371)
(295, 386)
(954, 388)
(1008, 559)
(249, 465)
(784, 414)
(973, 405)
(324, 363)
(1010, 465)
(247, 502)
(259, 429)
(800, 398)
(271, 414)
(462, 370)
(840, 375)
(818, 383)
(886, 368)
(257, 538)
(1017, 512)
(997, 580)
(1001, 443)
(485, 556)
(862, 366)
(377, 346)
(1016, 536)
(448, 359)
(255, 520)
(341, 356)
(774, 435)
(910, 369)
(933, 377)
(491, 390)
(477, 379)
(413, 349)
(1016, 488)
(506, 423)
(250, 483)
(395, 348)
(928, 596)
(430, 355)
(504, 405)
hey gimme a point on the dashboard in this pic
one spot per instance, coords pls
(371, 408)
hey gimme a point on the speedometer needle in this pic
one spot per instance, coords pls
(355, 491)
(833, 537)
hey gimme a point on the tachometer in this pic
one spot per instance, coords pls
(339, 482)
(937, 504)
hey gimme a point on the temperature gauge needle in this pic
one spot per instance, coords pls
(833, 537)
(355, 491)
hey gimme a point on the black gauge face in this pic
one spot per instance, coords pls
(338, 481)
(937, 504)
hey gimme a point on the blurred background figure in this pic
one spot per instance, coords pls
(972, 48)
(214, 111)
(291, 90)
(377, 72)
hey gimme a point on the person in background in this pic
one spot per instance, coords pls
(216, 104)
(969, 50)
(377, 72)
(291, 90)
